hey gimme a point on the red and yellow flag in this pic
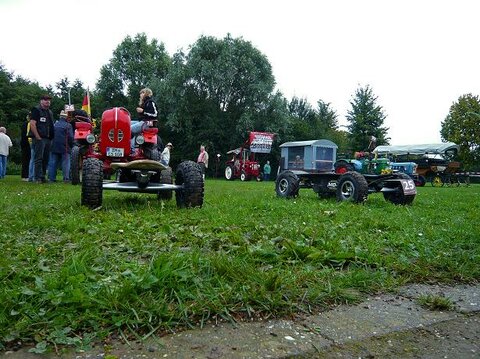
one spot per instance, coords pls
(86, 103)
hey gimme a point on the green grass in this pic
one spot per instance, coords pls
(137, 266)
(435, 302)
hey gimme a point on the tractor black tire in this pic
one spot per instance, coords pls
(398, 197)
(166, 178)
(76, 165)
(244, 177)
(353, 187)
(420, 181)
(229, 173)
(189, 176)
(92, 184)
(155, 155)
(287, 185)
(154, 152)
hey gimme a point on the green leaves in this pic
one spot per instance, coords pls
(461, 127)
(366, 119)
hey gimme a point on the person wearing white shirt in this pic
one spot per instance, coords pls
(165, 158)
(5, 144)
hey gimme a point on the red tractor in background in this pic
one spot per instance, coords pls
(139, 170)
(83, 141)
(243, 163)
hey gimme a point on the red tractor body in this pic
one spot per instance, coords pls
(139, 170)
(243, 163)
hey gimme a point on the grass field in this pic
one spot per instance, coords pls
(137, 266)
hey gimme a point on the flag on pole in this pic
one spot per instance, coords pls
(86, 103)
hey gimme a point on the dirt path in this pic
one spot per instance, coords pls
(385, 326)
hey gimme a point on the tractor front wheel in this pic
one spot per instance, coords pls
(353, 187)
(287, 185)
(244, 176)
(92, 183)
(189, 176)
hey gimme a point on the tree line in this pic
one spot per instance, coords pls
(214, 94)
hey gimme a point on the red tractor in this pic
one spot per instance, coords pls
(243, 163)
(83, 142)
(137, 170)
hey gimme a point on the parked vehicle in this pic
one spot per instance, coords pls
(138, 170)
(435, 162)
(311, 164)
(371, 163)
(83, 142)
(243, 163)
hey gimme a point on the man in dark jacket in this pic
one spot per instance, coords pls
(41, 131)
(60, 149)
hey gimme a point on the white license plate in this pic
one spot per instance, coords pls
(114, 152)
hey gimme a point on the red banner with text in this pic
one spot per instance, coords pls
(261, 142)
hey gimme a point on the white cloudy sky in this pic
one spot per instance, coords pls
(418, 56)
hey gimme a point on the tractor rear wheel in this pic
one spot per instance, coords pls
(287, 185)
(92, 190)
(397, 197)
(189, 176)
(166, 178)
(76, 165)
(353, 187)
(229, 173)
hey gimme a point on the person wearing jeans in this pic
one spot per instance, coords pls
(41, 131)
(61, 148)
(5, 144)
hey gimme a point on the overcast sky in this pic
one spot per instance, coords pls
(418, 56)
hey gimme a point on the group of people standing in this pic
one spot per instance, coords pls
(48, 142)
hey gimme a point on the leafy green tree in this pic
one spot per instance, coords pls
(366, 120)
(73, 93)
(327, 127)
(135, 64)
(303, 118)
(462, 127)
(18, 95)
(327, 117)
(216, 93)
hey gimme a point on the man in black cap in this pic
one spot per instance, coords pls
(41, 131)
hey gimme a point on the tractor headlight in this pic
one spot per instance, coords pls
(140, 140)
(90, 138)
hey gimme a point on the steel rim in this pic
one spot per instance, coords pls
(283, 185)
(347, 189)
